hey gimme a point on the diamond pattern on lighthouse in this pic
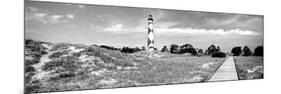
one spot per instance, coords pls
(150, 36)
(150, 40)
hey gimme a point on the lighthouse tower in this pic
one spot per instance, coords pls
(150, 40)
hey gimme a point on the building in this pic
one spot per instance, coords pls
(150, 40)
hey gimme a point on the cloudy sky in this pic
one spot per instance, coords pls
(125, 26)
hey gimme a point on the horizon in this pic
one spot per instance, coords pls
(127, 26)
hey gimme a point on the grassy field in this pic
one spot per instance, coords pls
(161, 71)
(173, 70)
(250, 67)
(60, 67)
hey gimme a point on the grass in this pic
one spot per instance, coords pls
(175, 70)
(168, 71)
(95, 68)
(157, 72)
(249, 67)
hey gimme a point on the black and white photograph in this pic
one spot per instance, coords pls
(76, 46)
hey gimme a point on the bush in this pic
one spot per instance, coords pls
(59, 47)
(236, 51)
(212, 49)
(109, 47)
(258, 51)
(31, 62)
(219, 55)
(187, 48)
(63, 75)
(200, 51)
(174, 48)
(247, 51)
(143, 48)
(35, 46)
(165, 49)
(130, 50)
(57, 54)
(68, 63)
(28, 69)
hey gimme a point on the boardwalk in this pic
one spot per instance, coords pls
(226, 72)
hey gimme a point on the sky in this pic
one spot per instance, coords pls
(127, 26)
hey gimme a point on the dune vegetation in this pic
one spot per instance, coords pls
(59, 67)
(249, 67)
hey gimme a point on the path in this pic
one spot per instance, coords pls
(226, 72)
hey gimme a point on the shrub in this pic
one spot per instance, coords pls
(43, 52)
(247, 51)
(200, 51)
(59, 47)
(188, 50)
(258, 51)
(31, 62)
(63, 75)
(130, 50)
(174, 48)
(219, 55)
(143, 48)
(57, 54)
(109, 47)
(35, 46)
(211, 50)
(28, 69)
(236, 51)
(165, 49)
(68, 63)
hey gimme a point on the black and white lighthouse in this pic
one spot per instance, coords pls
(150, 40)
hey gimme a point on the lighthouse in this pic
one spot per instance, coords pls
(150, 40)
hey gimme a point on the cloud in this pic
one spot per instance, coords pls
(39, 17)
(34, 9)
(119, 28)
(204, 31)
(81, 6)
(95, 27)
(55, 18)
(229, 21)
(115, 28)
(36, 14)
(70, 16)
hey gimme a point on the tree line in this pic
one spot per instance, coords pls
(246, 51)
(213, 50)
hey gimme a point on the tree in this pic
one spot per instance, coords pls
(218, 49)
(109, 47)
(219, 55)
(174, 48)
(206, 52)
(165, 49)
(187, 48)
(236, 51)
(200, 51)
(130, 50)
(143, 48)
(246, 51)
(155, 49)
(137, 49)
(212, 49)
(193, 51)
(258, 51)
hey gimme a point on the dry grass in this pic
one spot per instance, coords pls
(94, 68)
(168, 71)
(249, 67)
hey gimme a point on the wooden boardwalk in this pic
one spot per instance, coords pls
(226, 72)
